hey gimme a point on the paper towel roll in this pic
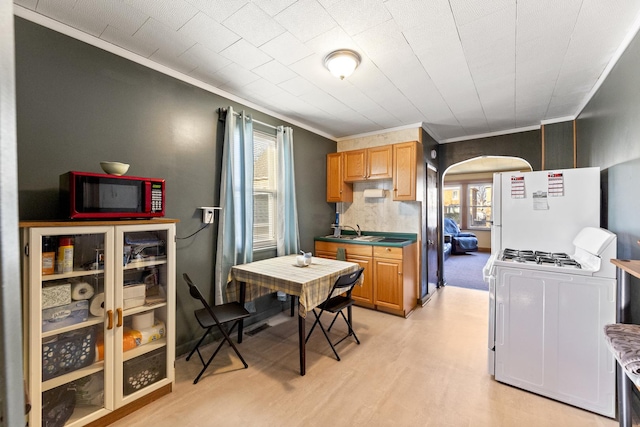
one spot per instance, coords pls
(81, 290)
(142, 320)
(96, 306)
(373, 192)
(156, 332)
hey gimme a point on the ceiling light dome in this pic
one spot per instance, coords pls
(342, 62)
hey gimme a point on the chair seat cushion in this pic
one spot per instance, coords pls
(624, 342)
(336, 304)
(224, 313)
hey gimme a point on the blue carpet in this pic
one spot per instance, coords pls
(465, 271)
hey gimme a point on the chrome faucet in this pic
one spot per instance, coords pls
(358, 231)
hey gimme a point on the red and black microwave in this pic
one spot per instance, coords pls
(89, 195)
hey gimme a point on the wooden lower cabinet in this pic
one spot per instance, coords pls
(390, 275)
(395, 273)
(363, 294)
(389, 280)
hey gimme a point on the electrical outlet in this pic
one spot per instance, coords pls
(207, 215)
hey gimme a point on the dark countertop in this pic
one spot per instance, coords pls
(377, 238)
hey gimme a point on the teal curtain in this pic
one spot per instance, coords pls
(288, 238)
(235, 226)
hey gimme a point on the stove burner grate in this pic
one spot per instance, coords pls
(568, 263)
(559, 259)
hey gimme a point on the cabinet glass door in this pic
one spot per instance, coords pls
(69, 293)
(144, 293)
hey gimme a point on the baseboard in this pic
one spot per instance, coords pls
(484, 250)
(131, 407)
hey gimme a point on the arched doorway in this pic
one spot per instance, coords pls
(467, 199)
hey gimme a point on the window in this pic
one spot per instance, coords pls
(451, 198)
(476, 204)
(479, 205)
(264, 190)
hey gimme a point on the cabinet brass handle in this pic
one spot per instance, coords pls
(109, 319)
(119, 324)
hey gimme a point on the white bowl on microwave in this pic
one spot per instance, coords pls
(114, 168)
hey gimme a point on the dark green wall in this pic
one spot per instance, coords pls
(428, 144)
(526, 145)
(78, 105)
(608, 132)
(558, 146)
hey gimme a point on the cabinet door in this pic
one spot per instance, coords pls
(379, 162)
(364, 292)
(355, 165)
(388, 283)
(145, 309)
(67, 330)
(404, 171)
(337, 190)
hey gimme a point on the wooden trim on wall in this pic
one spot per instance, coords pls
(542, 144)
(575, 145)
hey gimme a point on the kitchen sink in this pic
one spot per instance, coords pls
(392, 240)
(368, 238)
(380, 239)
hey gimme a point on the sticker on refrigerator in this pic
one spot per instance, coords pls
(555, 185)
(540, 201)
(517, 187)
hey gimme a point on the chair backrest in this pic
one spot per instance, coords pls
(346, 282)
(196, 294)
(450, 227)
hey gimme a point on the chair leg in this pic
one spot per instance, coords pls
(317, 322)
(230, 341)
(332, 322)
(206, 365)
(226, 338)
(312, 326)
(329, 341)
(350, 329)
(198, 345)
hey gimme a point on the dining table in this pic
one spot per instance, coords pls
(310, 284)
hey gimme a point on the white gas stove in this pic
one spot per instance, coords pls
(546, 314)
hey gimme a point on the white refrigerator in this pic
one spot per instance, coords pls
(543, 210)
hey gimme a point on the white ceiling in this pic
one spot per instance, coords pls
(460, 68)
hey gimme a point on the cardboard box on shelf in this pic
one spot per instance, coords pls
(65, 315)
(56, 295)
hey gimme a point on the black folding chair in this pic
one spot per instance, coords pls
(217, 316)
(336, 304)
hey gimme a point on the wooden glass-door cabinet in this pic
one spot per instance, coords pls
(99, 324)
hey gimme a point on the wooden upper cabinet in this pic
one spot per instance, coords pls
(355, 165)
(379, 162)
(337, 189)
(368, 163)
(404, 171)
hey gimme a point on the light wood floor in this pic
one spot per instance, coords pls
(427, 370)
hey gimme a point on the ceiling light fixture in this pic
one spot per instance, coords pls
(342, 62)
